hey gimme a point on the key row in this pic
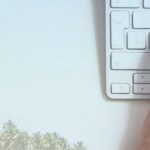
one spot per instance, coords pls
(124, 88)
(120, 20)
(141, 85)
(129, 3)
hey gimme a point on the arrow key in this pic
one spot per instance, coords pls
(141, 88)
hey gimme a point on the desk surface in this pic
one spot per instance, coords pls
(52, 74)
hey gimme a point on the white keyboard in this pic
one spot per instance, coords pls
(128, 49)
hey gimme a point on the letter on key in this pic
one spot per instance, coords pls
(119, 22)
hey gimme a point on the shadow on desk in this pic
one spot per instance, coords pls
(98, 8)
(137, 109)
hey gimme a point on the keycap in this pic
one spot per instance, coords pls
(136, 40)
(130, 61)
(147, 3)
(141, 78)
(125, 3)
(119, 22)
(120, 88)
(141, 19)
(141, 88)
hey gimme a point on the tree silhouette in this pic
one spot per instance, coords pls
(37, 141)
(11, 138)
(79, 146)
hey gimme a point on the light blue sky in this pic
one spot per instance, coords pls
(49, 77)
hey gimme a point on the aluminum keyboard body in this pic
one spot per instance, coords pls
(128, 49)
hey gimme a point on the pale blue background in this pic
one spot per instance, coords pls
(52, 74)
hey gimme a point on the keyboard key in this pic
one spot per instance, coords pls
(120, 89)
(119, 21)
(147, 3)
(141, 20)
(130, 61)
(141, 89)
(125, 3)
(141, 78)
(136, 40)
(149, 40)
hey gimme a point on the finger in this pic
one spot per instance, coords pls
(145, 145)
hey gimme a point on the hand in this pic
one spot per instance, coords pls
(145, 145)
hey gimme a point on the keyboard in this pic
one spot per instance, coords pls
(128, 49)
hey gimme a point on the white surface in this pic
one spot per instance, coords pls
(52, 75)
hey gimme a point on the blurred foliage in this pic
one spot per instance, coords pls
(11, 138)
